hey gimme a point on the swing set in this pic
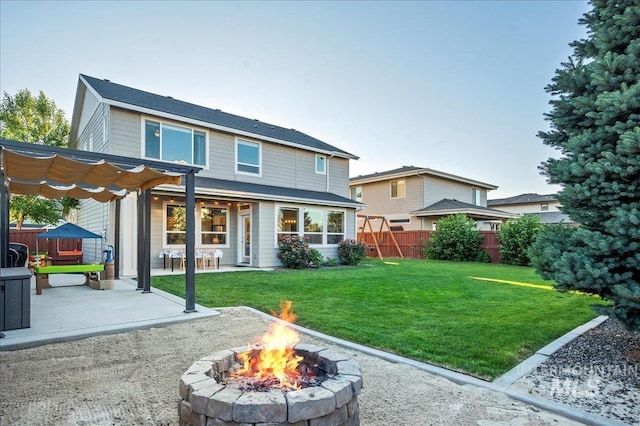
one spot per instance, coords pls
(378, 237)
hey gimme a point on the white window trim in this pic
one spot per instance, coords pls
(300, 232)
(104, 129)
(193, 128)
(235, 153)
(324, 159)
(164, 224)
(198, 230)
(404, 184)
(356, 191)
(477, 202)
(199, 226)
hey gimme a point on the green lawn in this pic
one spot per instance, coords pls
(431, 311)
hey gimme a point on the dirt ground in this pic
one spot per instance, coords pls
(132, 379)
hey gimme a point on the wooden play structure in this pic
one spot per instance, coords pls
(377, 236)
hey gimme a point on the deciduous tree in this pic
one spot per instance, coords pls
(35, 119)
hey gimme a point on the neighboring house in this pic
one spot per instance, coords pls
(547, 207)
(259, 181)
(415, 198)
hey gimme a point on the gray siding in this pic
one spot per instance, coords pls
(94, 217)
(95, 135)
(126, 132)
(267, 251)
(377, 197)
(339, 176)
(89, 105)
(436, 189)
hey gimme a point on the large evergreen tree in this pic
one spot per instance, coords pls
(595, 124)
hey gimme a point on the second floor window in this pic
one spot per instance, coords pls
(168, 142)
(321, 164)
(356, 193)
(247, 157)
(475, 197)
(398, 188)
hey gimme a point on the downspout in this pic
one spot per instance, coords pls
(422, 203)
(333, 154)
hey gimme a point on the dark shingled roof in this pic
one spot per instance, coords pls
(116, 92)
(448, 204)
(552, 217)
(272, 192)
(523, 199)
(403, 169)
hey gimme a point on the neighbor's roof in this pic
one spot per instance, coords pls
(552, 217)
(406, 171)
(523, 199)
(228, 188)
(448, 206)
(166, 106)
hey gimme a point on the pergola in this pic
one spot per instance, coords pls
(54, 172)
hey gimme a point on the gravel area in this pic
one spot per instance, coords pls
(598, 372)
(132, 379)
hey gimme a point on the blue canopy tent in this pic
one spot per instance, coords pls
(68, 231)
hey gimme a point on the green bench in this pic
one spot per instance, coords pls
(91, 272)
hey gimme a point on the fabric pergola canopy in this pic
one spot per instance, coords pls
(56, 176)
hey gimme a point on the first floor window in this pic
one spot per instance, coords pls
(169, 142)
(175, 224)
(287, 222)
(335, 227)
(318, 226)
(313, 221)
(212, 228)
(213, 224)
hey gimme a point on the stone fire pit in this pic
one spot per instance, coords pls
(210, 397)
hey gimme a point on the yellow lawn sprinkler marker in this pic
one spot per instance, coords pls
(543, 287)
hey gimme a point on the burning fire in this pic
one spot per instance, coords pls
(276, 358)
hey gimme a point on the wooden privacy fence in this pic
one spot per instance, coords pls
(50, 246)
(410, 242)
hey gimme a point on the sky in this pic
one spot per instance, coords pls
(455, 86)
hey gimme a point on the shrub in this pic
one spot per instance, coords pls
(315, 258)
(295, 252)
(351, 252)
(456, 238)
(516, 236)
(330, 261)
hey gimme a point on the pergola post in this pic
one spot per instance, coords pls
(116, 240)
(4, 223)
(141, 242)
(146, 240)
(190, 243)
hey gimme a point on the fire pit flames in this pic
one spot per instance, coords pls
(274, 363)
(278, 381)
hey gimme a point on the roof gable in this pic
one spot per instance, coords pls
(407, 171)
(523, 199)
(135, 99)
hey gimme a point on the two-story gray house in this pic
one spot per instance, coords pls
(258, 181)
(415, 198)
